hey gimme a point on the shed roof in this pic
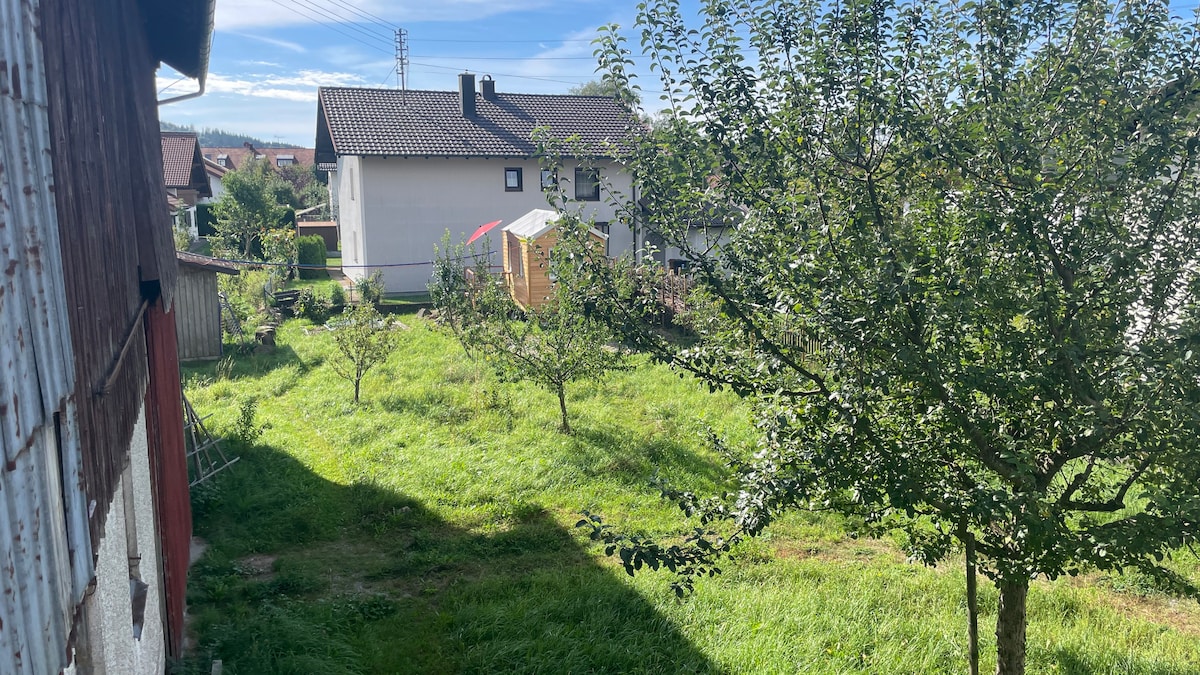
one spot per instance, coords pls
(359, 121)
(537, 223)
(205, 262)
(183, 165)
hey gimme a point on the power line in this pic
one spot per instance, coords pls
(504, 41)
(300, 12)
(341, 21)
(371, 18)
(511, 58)
(522, 77)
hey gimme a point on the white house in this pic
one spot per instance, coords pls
(406, 166)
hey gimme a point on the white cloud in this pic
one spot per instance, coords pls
(300, 86)
(283, 44)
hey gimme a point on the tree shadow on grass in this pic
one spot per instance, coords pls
(304, 575)
(610, 450)
(1072, 661)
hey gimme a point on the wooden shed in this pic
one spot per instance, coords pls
(526, 243)
(197, 308)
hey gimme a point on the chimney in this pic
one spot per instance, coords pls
(466, 94)
(487, 87)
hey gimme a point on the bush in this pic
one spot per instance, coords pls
(311, 251)
(370, 289)
(248, 293)
(311, 306)
(337, 297)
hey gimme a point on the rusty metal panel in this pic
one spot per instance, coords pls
(34, 328)
(45, 550)
(35, 583)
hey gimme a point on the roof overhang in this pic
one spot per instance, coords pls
(205, 262)
(180, 33)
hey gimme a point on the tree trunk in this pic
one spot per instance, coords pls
(356, 383)
(562, 406)
(972, 607)
(1010, 627)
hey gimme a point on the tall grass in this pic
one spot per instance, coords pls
(430, 530)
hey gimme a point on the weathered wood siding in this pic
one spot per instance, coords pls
(197, 314)
(112, 215)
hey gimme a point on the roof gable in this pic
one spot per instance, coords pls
(358, 121)
(183, 166)
(538, 222)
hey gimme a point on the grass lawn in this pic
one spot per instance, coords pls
(430, 530)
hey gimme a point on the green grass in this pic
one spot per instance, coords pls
(430, 530)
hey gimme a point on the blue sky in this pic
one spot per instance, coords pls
(269, 56)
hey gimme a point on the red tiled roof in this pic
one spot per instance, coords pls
(429, 123)
(179, 154)
(238, 156)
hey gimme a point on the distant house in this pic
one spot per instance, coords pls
(94, 505)
(236, 157)
(409, 165)
(184, 173)
(215, 172)
(525, 245)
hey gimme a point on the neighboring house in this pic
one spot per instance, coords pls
(409, 165)
(95, 521)
(184, 174)
(525, 245)
(237, 157)
(197, 305)
(216, 173)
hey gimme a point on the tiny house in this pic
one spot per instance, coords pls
(525, 247)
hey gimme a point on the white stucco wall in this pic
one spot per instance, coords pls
(348, 211)
(394, 210)
(109, 612)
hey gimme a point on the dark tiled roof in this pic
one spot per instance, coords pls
(429, 123)
(179, 153)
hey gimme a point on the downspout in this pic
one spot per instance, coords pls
(184, 97)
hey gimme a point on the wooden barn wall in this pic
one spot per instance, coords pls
(168, 469)
(113, 222)
(197, 314)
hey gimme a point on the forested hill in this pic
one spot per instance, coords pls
(219, 138)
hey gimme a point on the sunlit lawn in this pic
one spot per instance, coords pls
(430, 530)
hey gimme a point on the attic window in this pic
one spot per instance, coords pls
(587, 185)
(512, 179)
(222, 160)
(285, 160)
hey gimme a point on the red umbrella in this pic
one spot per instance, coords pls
(482, 229)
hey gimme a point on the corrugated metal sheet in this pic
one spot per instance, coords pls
(45, 555)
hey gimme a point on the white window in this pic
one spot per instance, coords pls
(549, 179)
